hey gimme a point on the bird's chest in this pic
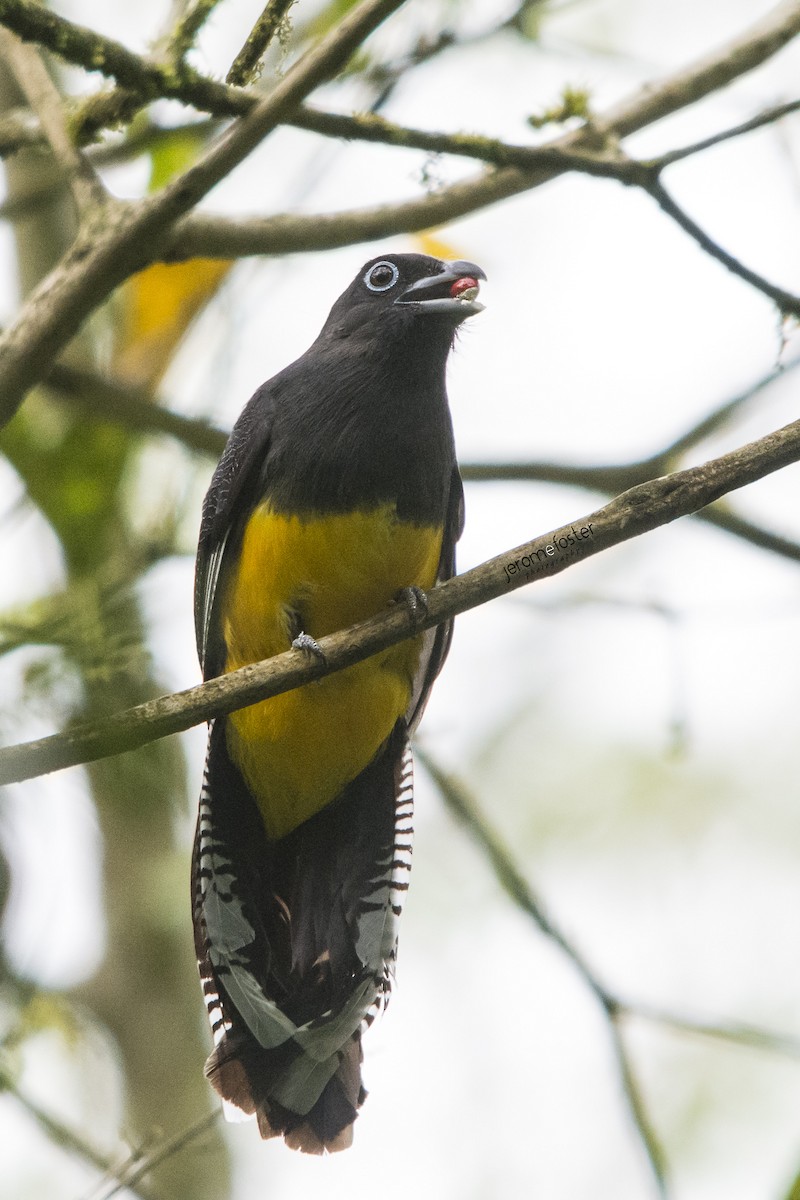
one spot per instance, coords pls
(320, 574)
(299, 750)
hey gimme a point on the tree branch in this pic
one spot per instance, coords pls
(284, 234)
(62, 1136)
(245, 66)
(127, 1177)
(106, 399)
(636, 511)
(188, 26)
(45, 100)
(511, 879)
(615, 1010)
(768, 117)
(131, 236)
(134, 235)
(786, 302)
(145, 77)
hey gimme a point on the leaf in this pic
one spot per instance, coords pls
(157, 306)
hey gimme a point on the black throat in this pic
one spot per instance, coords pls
(361, 425)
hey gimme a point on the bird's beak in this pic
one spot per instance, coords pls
(453, 290)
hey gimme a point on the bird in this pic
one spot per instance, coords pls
(338, 494)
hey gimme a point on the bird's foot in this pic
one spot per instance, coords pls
(415, 601)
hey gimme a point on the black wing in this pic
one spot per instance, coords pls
(233, 491)
(437, 641)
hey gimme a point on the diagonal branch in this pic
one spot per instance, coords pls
(462, 805)
(128, 1177)
(45, 100)
(644, 507)
(61, 1135)
(131, 236)
(616, 1011)
(245, 66)
(786, 302)
(768, 117)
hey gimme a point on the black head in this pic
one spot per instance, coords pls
(406, 295)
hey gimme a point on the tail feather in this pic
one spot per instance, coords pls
(296, 942)
(239, 1075)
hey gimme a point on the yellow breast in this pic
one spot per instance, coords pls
(299, 750)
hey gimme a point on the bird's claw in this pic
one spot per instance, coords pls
(416, 602)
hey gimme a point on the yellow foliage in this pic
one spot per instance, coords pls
(158, 306)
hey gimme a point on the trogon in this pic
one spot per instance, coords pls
(337, 493)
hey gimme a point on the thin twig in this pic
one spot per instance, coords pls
(732, 1032)
(720, 416)
(721, 516)
(642, 508)
(188, 26)
(245, 66)
(769, 116)
(463, 806)
(129, 1175)
(61, 1135)
(638, 1110)
(788, 303)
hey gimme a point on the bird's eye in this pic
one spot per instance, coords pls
(381, 277)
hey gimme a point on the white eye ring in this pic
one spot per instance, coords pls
(384, 287)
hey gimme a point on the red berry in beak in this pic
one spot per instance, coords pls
(465, 288)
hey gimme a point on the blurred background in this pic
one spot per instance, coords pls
(627, 732)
